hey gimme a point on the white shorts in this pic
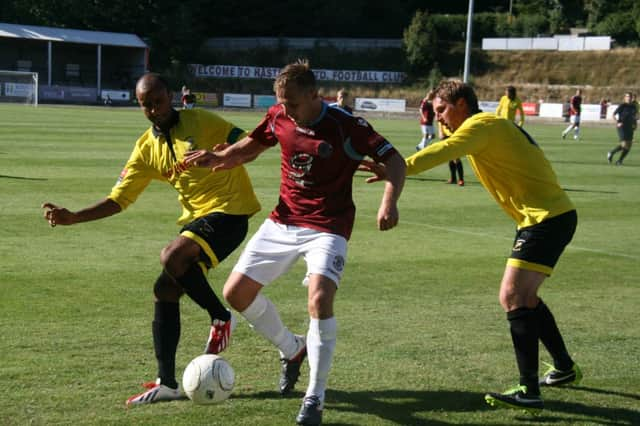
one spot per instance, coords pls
(427, 129)
(574, 119)
(275, 247)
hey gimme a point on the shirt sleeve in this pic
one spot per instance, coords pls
(466, 140)
(364, 140)
(134, 178)
(264, 131)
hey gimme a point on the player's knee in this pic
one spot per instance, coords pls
(166, 289)
(320, 306)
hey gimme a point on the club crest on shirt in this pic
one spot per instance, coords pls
(300, 163)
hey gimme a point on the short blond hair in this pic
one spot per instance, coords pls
(298, 73)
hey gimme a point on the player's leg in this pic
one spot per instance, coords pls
(625, 148)
(576, 129)
(423, 141)
(460, 171)
(452, 172)
(166, 335)
(269, 254)
(535, 252)
(325, 255)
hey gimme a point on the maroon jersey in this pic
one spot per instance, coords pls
(317, 166)
(427, 113)
(576, 105)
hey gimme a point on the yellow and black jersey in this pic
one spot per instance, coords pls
(508, 163)
(199, 190)
(508, 108)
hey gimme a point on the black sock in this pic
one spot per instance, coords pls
(198, 289)
(616, 149)
(524, 334)
(552, 339)
(452, 170)
(166, 334)
(460, 170)
(624, 154)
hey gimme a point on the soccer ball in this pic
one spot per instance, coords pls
(208, 379)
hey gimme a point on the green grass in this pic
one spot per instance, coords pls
(421, 334)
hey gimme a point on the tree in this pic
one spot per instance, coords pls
(420, 42)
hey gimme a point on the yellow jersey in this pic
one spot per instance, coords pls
(508, 163)
(508, 108)
(200, 192)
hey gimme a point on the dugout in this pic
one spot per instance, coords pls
(75, 66)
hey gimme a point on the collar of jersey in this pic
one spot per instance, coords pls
(173, 122)
(321, 116)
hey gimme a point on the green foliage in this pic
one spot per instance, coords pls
(421, 334)
(621, 26)
(421, 42)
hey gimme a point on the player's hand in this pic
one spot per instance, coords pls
(387, 216)
(378, 169)
(57, 215)
(204, 158)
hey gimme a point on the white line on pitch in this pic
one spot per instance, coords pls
(481, 234)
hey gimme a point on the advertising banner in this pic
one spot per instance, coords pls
(378, 104)
(241, 100)
(238, 71)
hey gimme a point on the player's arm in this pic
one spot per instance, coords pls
(520, 110)
(395, 173)
(57, 215)
(226, 156)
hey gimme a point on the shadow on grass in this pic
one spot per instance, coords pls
(590, 191)
(20, 177)
(402, 407)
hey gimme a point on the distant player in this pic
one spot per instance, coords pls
(510, 105)
(188, 99)
(625, 115)
(426, 121)
(575, 110)
(343, 101)
(215, 213)
(514, 170)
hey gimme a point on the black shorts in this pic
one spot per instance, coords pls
(538, 247)
(218, 234)
(625, 133)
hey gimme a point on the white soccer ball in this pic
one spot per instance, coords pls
(208, 379)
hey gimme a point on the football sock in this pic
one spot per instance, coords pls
(198, 289)
(524, 334)
(624, 154)
(321, 343)
(264, 318)
(460, 170)
(452, 170)
(166, 334)
(552, 339)
(616, 149)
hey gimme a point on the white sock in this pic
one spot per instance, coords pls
(321, 343)
(567, 130)
(264, 318)
(577, 132)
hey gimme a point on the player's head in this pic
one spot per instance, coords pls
(342, 97)
(511, 92)
(628, 97)
(154, 97)
(295, 89)
(578, 92)
(454, 102)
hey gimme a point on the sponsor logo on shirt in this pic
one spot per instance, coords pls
(123, 174)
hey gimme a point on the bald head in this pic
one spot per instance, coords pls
(151, 82)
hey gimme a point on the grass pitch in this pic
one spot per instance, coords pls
(421, 334)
